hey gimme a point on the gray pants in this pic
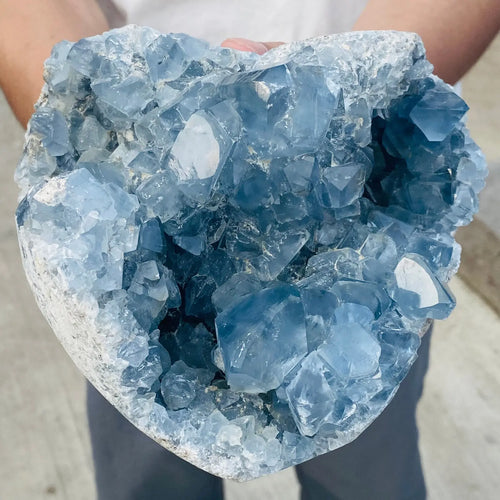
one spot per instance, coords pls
(382, 464)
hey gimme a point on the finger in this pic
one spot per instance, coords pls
(245, 45)
(250, 45)
(272, 45)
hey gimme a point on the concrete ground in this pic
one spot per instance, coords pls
(44, 447)
(481, 239)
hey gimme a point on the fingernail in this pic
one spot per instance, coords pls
(244, 45)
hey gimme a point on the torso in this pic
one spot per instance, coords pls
(264, 20)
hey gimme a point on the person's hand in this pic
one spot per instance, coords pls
(455, 34)
(249, 45)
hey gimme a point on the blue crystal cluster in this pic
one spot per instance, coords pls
(277, 229)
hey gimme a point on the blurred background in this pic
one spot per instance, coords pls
(44, 446)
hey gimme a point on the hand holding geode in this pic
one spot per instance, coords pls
(240, 251)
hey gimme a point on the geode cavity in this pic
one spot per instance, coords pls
(240, 251)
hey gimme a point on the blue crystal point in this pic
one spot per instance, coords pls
(310, 396)
(262, 338)
(50, 126)
(418, 293)
(438, 113)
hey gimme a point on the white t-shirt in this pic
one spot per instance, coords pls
(261, 20)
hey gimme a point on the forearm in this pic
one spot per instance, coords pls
(455, 32)
(28, 31)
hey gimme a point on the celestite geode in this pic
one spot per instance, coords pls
(240, 251)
